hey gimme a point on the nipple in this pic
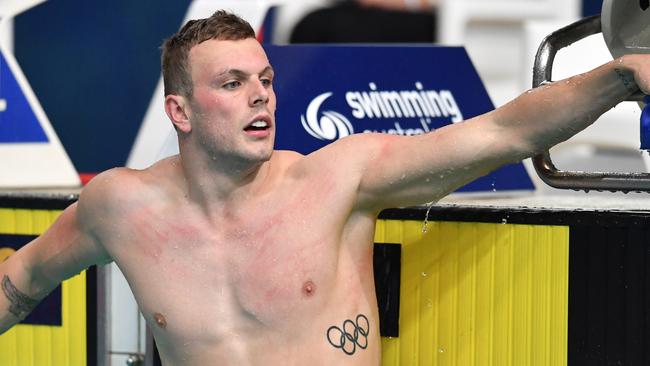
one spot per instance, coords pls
(160, 320)
(309, 288)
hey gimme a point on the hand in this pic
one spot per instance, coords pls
(637, 76)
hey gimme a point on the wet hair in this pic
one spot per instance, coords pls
(222, 25)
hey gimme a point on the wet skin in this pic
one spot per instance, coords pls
(239, 255)
(260, 285)
(254, 272)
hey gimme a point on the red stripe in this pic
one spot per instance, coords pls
(86, 177)
(260, 34)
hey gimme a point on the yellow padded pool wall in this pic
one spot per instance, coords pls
(479, 294)
(38, 345)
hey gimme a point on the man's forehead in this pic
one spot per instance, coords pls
(225, 48)
(223, 55)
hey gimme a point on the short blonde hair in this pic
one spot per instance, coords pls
(222, 25)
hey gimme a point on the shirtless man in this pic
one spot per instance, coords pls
(241, 255)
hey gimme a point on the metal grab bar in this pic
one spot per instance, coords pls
(542, 72)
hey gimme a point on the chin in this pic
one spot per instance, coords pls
(266, 156)
(258, 156)
(265, 153)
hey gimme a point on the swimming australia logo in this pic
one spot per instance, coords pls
(329, 126)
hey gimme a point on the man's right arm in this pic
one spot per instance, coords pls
(399, 171)
(31, 273)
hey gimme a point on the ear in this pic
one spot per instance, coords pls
(177, 109)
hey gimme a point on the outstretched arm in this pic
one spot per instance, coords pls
(31, 273)
(399, 171)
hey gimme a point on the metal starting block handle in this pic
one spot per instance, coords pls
(542, 72)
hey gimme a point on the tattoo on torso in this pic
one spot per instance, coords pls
(21, 304)
(352, 335)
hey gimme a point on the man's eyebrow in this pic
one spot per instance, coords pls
(267, 70)
(243, 74)
(233, 72)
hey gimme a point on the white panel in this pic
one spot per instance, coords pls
(124, 314)
(10, 8)
(7, 34)
(33, 165)
(492, 33)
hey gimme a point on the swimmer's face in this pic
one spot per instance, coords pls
(232, 108)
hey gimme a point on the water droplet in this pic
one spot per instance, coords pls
(424, 274)
(441, 350)
(426, 218)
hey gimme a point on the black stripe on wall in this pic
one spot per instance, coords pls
(92, 333)
(609, 296)
(387, 267)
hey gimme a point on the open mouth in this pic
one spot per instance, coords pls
(257, 126)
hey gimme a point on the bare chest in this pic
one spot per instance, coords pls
(266, 268)
(279, 266)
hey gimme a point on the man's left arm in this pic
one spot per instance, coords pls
(400, 171)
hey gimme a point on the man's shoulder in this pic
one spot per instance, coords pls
(106, 189)
(120, 188)
(114, 182)
(341, 155)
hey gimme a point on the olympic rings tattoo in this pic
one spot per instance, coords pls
(353, 334)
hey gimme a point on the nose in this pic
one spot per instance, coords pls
(259, 94)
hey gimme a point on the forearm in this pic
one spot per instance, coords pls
(31, 273)
(549, 114)
(20, 292)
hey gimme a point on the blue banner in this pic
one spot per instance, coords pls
(48, 311)
(329, 92)
(18, 123)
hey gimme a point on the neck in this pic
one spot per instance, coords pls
(217, 183)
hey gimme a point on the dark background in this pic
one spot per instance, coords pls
(94, 67)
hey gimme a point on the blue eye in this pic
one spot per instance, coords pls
(231, 84)
(266, 82)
